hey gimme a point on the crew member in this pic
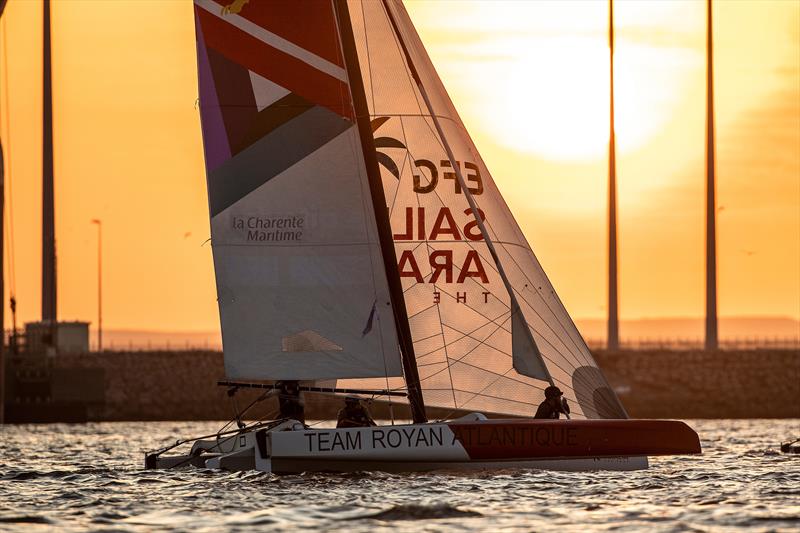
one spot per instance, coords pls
(354, 415)
(554, 403)
(289, 402)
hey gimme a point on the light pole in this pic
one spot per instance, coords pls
(712, 340)
(99, 284)
(612, 342)
(2, 277)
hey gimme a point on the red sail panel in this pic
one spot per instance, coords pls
(310, 24)
(286, 70)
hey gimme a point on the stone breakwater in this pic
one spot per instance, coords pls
(700, 384)
(651, 384)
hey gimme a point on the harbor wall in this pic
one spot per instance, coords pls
(651, 384)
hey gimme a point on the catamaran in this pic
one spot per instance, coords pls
(362, 247)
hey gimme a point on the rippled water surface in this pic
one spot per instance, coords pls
(90, 476)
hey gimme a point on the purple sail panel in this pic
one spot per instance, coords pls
(215, 139)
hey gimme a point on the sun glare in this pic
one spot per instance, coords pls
(548, 92)
(554, 101)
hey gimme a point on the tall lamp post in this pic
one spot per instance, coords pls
(612, 342)
(712, 340)
(2, 278)
(99, 283)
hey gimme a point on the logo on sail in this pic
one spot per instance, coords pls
(386, 142)
(461, 264)
(270, 228)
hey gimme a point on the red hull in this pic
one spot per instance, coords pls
(523, 439)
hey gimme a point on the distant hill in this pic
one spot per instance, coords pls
(594, 330)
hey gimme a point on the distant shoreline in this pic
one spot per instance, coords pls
(181, 385)
(639, 333)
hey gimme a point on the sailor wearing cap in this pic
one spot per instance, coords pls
(354, 415)
(554, 403)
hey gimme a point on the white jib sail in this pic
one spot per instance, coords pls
(468, 338)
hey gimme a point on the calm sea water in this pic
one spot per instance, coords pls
(90, 476)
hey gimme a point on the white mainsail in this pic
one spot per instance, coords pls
(301, 285)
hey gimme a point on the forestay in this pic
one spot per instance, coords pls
(470, 341)
(300, 280)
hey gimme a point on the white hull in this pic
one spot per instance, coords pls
(472, 443)
(564, 465)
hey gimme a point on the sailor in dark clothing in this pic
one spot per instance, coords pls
(354, 415)
(289, 402)
(554, 403)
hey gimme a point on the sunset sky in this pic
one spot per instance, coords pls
(530, 80)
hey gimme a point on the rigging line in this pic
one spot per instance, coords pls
(505, 376)
(369, 57)
(465, 335)
(345, 98)
(399, 180)
(476, 395)
(512, 379)
(492, 320)
(464, 241)
(432, 364)
(527, 248)
(421, 311)
(483, 341)
(460, 359)
(428, 338)
(568, 356)
(584, 381)
(547, 305)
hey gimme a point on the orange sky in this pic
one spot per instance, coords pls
(530, 80)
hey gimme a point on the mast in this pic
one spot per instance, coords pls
(410, 370)
(2, 278)
(712, 342)
(515, 308)
(48, 217)
(2, 271)
(612, 342)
